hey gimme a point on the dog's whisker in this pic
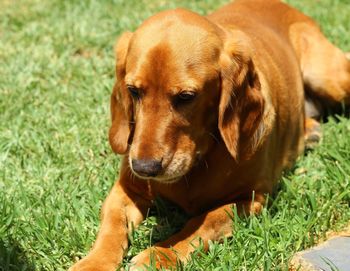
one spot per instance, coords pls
(186, 180)
(215, 138)
(206, 164)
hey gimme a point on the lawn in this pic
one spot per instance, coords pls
(56, 167)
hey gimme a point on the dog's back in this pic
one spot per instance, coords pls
(324, 67)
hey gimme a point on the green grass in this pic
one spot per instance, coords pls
(56, 167)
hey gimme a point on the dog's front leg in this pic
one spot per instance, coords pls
(121, 209)
(212, 225)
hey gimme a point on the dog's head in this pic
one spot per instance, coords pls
(182, 84)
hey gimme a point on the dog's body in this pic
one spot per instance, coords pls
(209, 112)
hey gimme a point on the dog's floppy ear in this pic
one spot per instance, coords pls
(241, 103)
(121, 103)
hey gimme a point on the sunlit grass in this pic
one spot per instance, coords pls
(56, 167)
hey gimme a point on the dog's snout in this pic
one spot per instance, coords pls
(146, 167)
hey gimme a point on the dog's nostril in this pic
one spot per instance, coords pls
(146, 167)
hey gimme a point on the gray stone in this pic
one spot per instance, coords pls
(332, 255)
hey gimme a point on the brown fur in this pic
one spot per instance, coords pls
(248, 63)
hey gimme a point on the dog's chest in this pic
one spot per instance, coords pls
(200, 193)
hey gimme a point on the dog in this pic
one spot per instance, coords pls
(208, 112)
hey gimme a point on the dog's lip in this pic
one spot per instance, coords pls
(159, 178)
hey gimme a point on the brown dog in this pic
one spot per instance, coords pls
(208, 111)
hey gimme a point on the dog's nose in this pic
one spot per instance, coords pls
(146, 167)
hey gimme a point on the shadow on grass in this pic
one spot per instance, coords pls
(13, 258)
(163, 220)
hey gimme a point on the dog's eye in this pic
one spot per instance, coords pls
(134, 91)
(186, 96)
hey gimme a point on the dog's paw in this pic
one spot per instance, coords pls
(313, 134)
(347, 54)
(154, 256)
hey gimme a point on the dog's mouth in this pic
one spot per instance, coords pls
(160, 179)
(179, 165)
